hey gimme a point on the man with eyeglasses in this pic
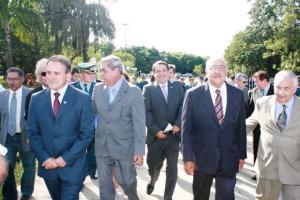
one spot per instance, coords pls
(40, 73)
(214, 133)
(240, 81)
(13, 136)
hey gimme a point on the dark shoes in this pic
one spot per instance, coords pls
(253, 177)
(150, 188)
(25, 197)
(93, 176)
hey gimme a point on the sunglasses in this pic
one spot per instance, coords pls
(43, 74)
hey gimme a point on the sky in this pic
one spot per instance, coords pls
(200, 27)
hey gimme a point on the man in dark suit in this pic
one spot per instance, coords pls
(214, 133)
(163, 102)
(40, 73)
(14, 137)
(87, 83)
(263, 88)
(60, 128)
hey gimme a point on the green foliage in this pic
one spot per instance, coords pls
(198, 69)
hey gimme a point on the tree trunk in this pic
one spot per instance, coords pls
(8, 53)
(85, 39)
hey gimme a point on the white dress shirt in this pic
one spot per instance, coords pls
(62, 92)
(223, 90)
(19, 106)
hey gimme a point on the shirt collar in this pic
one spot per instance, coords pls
(117, 85)
(62, 91)
(164, 84)
(18, 91)
(213, 88)
(288, 104)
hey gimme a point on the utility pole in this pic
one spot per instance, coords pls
(125, 34)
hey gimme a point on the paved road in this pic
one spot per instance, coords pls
(244, 188)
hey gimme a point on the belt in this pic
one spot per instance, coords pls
(168, 132)
(18, 133)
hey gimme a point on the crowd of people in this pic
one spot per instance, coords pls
(78, 126)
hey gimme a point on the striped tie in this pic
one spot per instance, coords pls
(218, 107)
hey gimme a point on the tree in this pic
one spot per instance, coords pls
(198, 69)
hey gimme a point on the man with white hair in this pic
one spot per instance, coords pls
(278, 164)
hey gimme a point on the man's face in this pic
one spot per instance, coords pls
(109, 76)
(242, 84)
(172, 75)
(57, 76)
(284, 91)
(216, 73)
(161, 73)
(261, 84)
(42, 76)
(75, 77)
(14, 81)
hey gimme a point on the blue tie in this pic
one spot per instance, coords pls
(12, 124)
(112, 95)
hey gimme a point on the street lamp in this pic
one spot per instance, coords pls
(125, 27)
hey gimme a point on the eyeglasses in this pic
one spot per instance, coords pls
(244, 82)
(43, 74)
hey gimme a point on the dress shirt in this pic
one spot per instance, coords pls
(113, 90)
(62, 92)
(288, 110)
(19, 107)
(88, 86)
(166, 87)
(266, 89)
(223, 90)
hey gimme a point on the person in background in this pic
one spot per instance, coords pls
(240, 81)
(142, 83)
(60, 128)
(40, 73)
(14, 136)
(172, 72)
(214, 133)
(263, 88)
(74, 75)
(277, 164)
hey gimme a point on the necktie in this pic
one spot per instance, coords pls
(219, 107)
(262, 92)
(282, 118)
(85, 88)
(112, 95)
(12, 122)
(164, 91)
(56, 104)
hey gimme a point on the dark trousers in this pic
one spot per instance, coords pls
(224, 185)
(256, 137)
(9, 190)
(159, 150)
(63, 190)
(91, 159)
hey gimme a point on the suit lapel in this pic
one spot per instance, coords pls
(66, 101)
(160, 94)
(293, 115)
(122, 91)
(48, 103)
(6, 96)
(23, 99)
(209, 104)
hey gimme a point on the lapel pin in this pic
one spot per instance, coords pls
(65, 102)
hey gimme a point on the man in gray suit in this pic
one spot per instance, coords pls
(14, 137)
(163, 102)
(120, 134)
(278, 160)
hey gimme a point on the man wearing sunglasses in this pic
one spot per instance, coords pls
(240, 81)
(40, 73)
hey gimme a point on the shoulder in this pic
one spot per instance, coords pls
(77, 91)
(197, 89)
(233, 89)
(265, 100)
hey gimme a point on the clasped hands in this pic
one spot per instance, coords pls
(52, 163)
(160, 134)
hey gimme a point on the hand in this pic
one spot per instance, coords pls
(61, 162)
(189, 167)
(160, 135)
(175, 129)
(50, 163)
(138, 160)
(241, 164)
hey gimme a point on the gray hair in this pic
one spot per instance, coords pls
(210, 61)
(240, 77)
(286, 74)
(42, 63)
(113, 62)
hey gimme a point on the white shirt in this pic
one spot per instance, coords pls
(223, 90)
(62, 92)
(288, 110)
(19, 106)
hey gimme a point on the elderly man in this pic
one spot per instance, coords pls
(240, 81)
(278, 165)
(120, 134)
(214, 133)
(40, 73)
(14, 136)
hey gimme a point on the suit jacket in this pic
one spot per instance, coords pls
(28, 97)
(160, 113)
(278, 154)
(77, 85)
(211, 146)
(121, 129)
(253, 95)
(4, 112)
(67, 135)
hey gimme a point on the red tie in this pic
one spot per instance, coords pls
(56, 104)
(218, 107)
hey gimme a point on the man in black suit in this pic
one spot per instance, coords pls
(263, 88)
(163, 102)
(40, 73)
(214, 133)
